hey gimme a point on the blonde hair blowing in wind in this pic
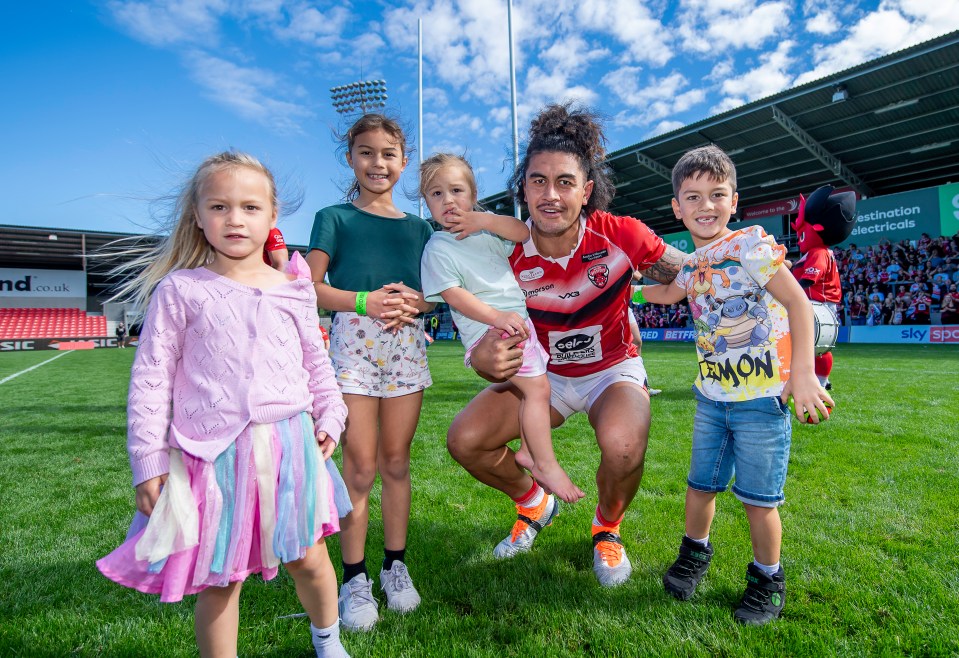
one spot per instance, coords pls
(185, 246)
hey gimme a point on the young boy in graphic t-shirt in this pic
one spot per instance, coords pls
(754, 327)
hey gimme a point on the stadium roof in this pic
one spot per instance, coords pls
(51, 248)
(886, 126)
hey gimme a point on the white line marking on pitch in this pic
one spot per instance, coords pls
(17, 374)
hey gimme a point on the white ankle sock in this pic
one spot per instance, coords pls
(537, 497)
(768, 569)
(327, 643)
(704, 542)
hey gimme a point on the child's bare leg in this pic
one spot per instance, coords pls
(700, 509)
(538, 439)
(765, 532)
(398, 419)
(316, 585)
(359, 444)
(216, 621)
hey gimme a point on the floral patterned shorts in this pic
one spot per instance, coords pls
(377, 363)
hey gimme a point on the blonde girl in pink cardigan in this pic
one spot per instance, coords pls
(233, 410)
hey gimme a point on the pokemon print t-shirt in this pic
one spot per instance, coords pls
(742, 332)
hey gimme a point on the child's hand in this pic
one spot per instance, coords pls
(327, 445)
(395, 307)
(148, 492)
(512, 323)
(464, 224)
(808, 396)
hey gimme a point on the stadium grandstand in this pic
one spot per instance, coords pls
(887, 129)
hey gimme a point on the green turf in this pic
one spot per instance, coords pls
(870, 546)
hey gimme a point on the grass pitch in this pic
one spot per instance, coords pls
(870, 529)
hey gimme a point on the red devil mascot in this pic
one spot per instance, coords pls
(825, 219)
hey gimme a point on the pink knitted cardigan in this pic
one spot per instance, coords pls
(215, 355)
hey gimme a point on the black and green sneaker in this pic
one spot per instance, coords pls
(684, 575)
(764, 597)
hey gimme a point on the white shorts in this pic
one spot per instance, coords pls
(376, 363)
(571, 394)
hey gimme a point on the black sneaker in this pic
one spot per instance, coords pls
(764, 597)
(681, 579)
(828, 386)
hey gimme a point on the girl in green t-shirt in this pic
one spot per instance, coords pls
(370, 252)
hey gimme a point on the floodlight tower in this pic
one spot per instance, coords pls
(360, 96)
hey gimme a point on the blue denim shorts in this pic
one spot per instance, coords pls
(749, 440)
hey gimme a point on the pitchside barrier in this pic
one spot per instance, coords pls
(897, 334)
(906, 334)
(31, 344)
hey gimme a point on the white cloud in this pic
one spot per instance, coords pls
(465, 43)
(895, 25)
(712, 26)
(825, 22)
(321, 28)
(651, 99)
(435, 97)
(665, 127)
(250, 92)
(572, 52)
(770, 77)
(630, 23)
(726, 104)
(160, 23)
(721, 70)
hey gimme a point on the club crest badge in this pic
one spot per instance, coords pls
(598, 275)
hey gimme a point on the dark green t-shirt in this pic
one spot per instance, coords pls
(368, 251)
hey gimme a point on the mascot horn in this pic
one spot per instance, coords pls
(825, 219)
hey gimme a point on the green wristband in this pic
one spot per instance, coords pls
(361, 303)
(638, 296)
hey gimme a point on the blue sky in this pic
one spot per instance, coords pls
(109, 105)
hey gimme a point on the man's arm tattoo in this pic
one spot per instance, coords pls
(667, 267)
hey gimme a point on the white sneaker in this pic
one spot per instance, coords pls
(655, 391)
(610, 563)
(401, 596)
(528, 524)
(356, 604)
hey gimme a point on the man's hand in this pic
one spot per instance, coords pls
(495, 358)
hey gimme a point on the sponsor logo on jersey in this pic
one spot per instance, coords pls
(580, 346)
(596, 255)
(536, 291)
(570, 294)
(532, 274)
(598, 275)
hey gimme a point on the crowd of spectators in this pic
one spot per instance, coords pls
(903, 283)
(653, 316)
(900, 283)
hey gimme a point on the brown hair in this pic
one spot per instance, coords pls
(365, 124)
(710, 160)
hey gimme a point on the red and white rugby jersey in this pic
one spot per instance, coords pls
(819, 266)
(578, 303)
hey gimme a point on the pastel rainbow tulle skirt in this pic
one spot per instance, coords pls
(264, 501)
